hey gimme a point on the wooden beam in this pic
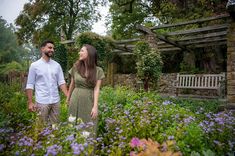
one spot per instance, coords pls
(130, 46)
(127, 49)
(163, 38)
(198, 30)
(169, 41)
(203, 36)
(143, 29)
(200, 36)
(166, 45)
(169, 49)
(126, 53)
(191, 22)
(127, 41)
(208, 44)
(207, 40)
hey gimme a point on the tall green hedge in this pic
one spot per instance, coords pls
(103, 45)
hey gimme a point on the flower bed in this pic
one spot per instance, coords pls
(130, 123)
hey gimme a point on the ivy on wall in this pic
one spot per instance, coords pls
(148, 64)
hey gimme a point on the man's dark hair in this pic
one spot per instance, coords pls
(45, 43)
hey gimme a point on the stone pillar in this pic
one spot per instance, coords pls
(231, 56)
(231, 66)
(151, 39)
(112, 68)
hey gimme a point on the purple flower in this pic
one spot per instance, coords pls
(166, 102)
(126, 112)
(135, 142)
(17, 153)
(77, 148)
(189, 119)
(170, 137)
(1, 147)
(53, 150)
(46, 131)
(216, 142)
(70, 138)
(25, 141)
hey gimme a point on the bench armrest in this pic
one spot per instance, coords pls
(175, 83)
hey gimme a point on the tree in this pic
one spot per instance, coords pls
(11, 54)
(126, 13)
(9, 49)
(43, 19)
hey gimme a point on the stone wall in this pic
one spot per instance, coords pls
(165, 85)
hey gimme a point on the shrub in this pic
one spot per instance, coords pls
(149, 63)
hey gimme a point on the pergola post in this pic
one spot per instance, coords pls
(231, 61)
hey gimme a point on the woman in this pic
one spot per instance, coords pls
(85, 85)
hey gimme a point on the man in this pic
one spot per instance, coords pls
(45, 75)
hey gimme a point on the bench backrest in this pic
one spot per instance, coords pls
(203, 81)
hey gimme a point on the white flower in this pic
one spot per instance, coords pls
(54, 126)
(85, 134)
(72, 118)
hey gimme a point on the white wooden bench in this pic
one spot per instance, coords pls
(199, 81)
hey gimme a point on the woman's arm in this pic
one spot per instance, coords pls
(94, 111)
(71, 87)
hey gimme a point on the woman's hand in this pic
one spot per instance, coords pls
(68, 101)
(94, 112)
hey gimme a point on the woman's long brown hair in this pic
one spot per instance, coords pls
(90, 63)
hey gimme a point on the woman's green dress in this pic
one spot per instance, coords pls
(82, 98)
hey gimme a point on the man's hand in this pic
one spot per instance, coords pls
(31, 107)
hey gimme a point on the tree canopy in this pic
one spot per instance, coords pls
(43, 19)
(11, 54)
(9, 49)
(126, 13)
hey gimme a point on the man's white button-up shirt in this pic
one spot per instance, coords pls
(45, 77)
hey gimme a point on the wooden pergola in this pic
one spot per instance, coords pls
(213, 31)
(186, 39)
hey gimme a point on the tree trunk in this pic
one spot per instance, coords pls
(146, 84)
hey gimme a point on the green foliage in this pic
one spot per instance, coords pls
(195, 126)
(149, 63)
(103, 46)
(11, 67)
(124, 21)
(12, 102)
(9, 50)
(45, 19)
(72, 55)
(125, 14)
(13, 113)
(149, 116)
(184, 67)
(58, 139)
(61, 56)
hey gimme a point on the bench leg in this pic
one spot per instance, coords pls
(177, 92)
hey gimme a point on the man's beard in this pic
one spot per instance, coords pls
(48, 54)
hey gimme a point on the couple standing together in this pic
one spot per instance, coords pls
(46, 76)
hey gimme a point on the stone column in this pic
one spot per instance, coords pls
(231, 66)
(231, 56)
(151, 39)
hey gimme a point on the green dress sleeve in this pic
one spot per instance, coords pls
(71, 72)
(100, 74)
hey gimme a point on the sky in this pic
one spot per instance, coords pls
(10, 9)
